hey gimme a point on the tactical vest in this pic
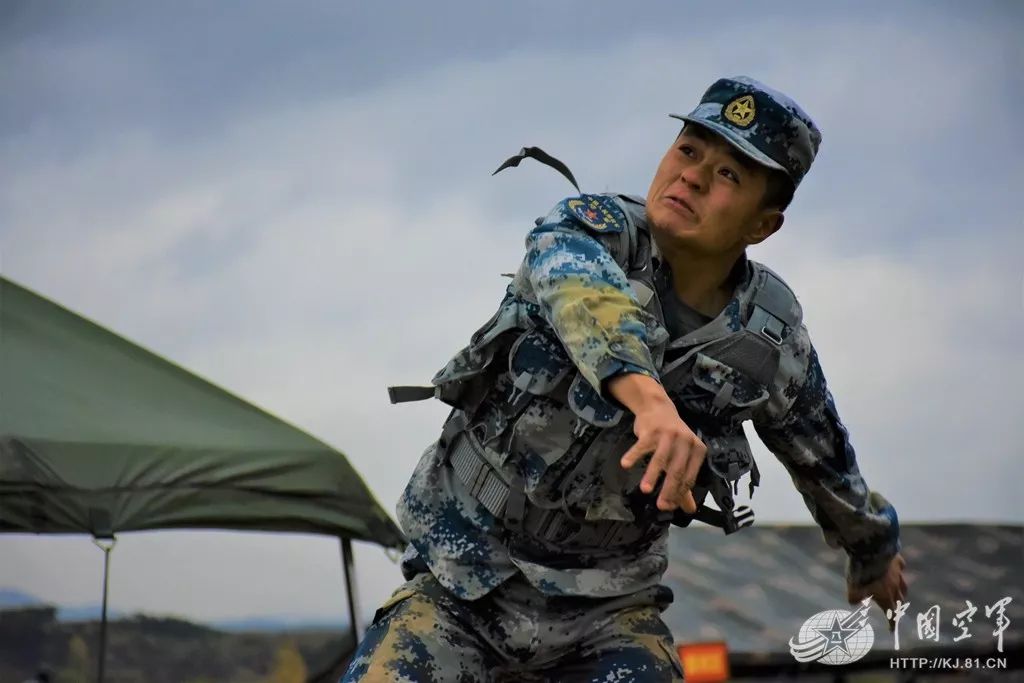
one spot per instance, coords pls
(539, 447)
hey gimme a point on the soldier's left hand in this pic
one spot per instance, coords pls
(886, 590)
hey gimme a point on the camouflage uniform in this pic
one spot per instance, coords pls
(516, 634)
(522, 501)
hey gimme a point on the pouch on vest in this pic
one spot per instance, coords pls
(732, 393)
(537, 366)
(719, 400)
(538, 362)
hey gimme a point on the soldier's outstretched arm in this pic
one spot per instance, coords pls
(802, 428)
(571, 271)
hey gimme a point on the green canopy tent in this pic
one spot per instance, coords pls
(100, 436)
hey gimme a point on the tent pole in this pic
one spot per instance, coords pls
(348, 564)
(106, 545)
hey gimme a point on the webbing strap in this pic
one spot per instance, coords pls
(643, 292)
(404, 394)
(762, 322)
(488, 487)
(477, 475)
(775, 296)
(774, 307)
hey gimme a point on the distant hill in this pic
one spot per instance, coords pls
(12, 599)
(142, 649)
(279, 625)
(15, 598)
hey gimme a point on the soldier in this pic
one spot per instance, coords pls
(603, 401)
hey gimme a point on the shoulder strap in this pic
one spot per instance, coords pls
(775, 310)
(636, 247)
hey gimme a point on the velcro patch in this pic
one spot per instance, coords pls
(598, 212)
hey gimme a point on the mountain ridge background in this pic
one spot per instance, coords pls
(13, 599)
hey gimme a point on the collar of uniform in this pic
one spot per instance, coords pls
(729, 319)
(738, 277)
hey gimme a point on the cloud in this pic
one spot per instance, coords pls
(922, 357)
(305, 250)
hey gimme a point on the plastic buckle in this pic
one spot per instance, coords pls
(771, 335)
(742, 517)
(515, 507)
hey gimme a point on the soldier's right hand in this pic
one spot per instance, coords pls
(678, 452)
(887, 590)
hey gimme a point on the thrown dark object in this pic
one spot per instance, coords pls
(544, 158)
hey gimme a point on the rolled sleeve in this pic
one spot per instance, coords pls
(586, 298)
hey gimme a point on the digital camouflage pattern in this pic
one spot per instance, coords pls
(514, 634)
(763, 123)
(571, 319)
(531, 552)
(585, 294)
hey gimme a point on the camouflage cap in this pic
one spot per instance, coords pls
(764, 124)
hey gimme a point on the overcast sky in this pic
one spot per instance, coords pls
(295, 202)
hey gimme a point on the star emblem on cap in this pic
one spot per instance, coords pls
(740, 112)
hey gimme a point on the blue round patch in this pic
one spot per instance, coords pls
(598, 212)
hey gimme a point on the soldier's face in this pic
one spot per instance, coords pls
(706, 196)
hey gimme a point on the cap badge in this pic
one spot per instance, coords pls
(740, 112)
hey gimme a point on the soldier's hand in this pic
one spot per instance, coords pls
(885, 590)
(678, 452)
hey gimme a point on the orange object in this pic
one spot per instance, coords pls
(705, 662)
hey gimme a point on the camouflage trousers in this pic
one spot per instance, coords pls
(424, 634)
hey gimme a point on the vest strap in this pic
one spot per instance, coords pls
(774, 308)
(763, 323)
(476, 474)
(643, 292)
(404, 394)
(507, 501)
(740, 518)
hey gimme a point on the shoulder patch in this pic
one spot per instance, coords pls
(598, 212)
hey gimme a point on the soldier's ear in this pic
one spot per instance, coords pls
(768, 222)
